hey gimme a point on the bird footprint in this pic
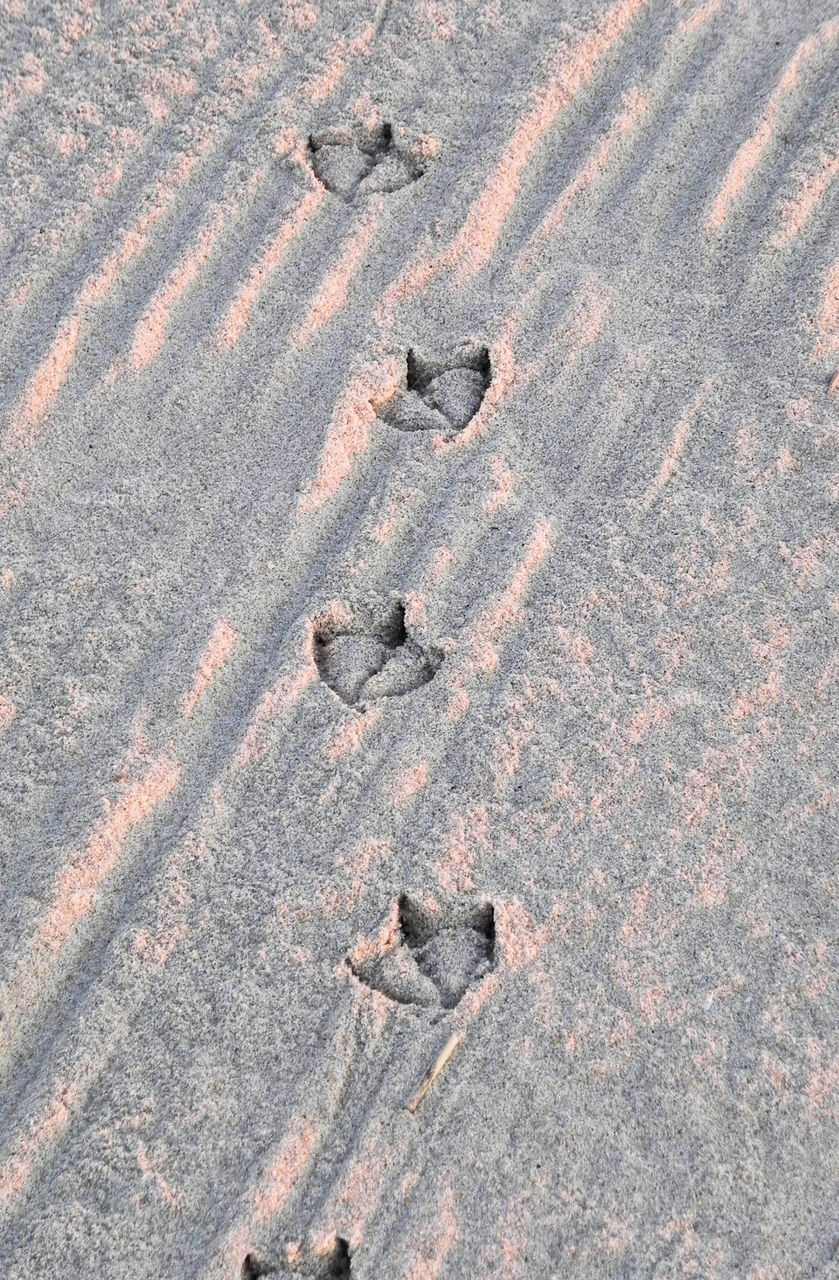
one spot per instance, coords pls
(360, 162)
(433, 954)
(440, 395)
(374, 658)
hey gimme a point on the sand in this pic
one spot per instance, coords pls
(419, 657)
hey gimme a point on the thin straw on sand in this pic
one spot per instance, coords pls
(439, 1063)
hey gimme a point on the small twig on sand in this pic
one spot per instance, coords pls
(833, 385)
(439, 1063)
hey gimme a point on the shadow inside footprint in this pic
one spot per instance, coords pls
(440, 395)
(435, 955)
(374, 658)
(253, 1268)
(360, 162)
(335, 1265)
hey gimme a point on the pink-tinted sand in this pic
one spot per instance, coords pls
(418, 664)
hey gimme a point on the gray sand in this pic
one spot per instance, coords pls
(363, 708)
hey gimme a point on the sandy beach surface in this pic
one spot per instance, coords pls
(419, 639)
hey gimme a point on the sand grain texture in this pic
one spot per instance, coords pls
(419, 691)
